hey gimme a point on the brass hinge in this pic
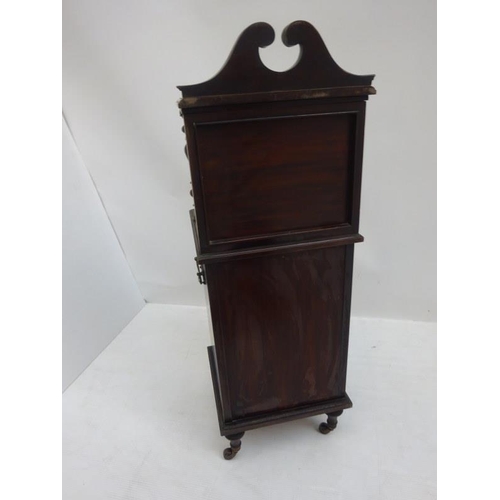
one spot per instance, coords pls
(201, 275)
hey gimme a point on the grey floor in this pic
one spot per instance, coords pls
(140, 422)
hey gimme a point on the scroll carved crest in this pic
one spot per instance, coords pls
(244, 71)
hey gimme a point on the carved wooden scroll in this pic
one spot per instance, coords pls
(244, 71)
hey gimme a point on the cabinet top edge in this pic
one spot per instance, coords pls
(359, 91)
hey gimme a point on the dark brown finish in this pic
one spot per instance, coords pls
(247, 424)
(281, 344)
(275, 162)
(245, 73)
(287, 95)
(256, 184)
(255, 192)
(235, 445)
(331, 422)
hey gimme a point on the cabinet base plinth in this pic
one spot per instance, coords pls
(235, 429)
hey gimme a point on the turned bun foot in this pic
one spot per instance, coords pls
(331, 422)
(324, 429)
(235, 445)
(229, 453)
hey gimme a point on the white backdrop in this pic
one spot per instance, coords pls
(121, 63)
(100, 295)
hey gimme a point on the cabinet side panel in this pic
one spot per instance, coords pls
(280, 329)
(275, 175)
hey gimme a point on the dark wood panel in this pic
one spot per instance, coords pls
(253, 422)
(264, 111)
(278, 330)
(271, 176)
(244, 71)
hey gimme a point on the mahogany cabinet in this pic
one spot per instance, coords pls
(275, 160)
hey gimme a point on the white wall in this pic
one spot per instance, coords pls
(100, 295)
(122, 61)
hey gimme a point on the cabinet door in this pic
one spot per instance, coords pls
(280, 325)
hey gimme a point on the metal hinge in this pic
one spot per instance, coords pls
(201, 275)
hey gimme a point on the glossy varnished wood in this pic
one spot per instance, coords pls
(275, 173)
(276, 162)
(244, 71)
(263, 176)
(344, 93)
(245, 424)
(279, 345)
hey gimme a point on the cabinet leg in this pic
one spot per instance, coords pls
(331, 422)
(235, 445)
